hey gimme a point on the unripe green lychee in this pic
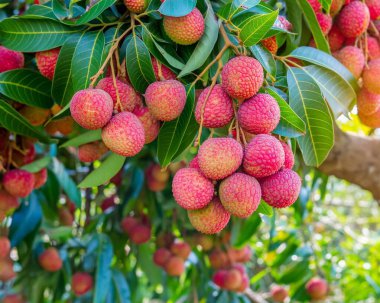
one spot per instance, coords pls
(7, 201)
(18, 182)
(264, 155)
(368, 103)
(124, 134)
(216, 108)
(50, 260)
(175, 266)
(354, 19)
(46, 62)
(5, 247)
(181, 249)
(289, 157)
(278, 293)
(151, 124)
(40, 178)
(317, 288)
(10, 59)
(136, 6)
(242, 77)
(281, 189)
(81, 283)
(259, 114)
(185, 30)
(219, 157)
(161, 256)
(374, 8)
(352, 58)
(240, 194)
(371, 76)
(162, 72)
(325, 22)
(166, 99)
(91, 108)
(91, 152)
(211, 219)
(191, 189)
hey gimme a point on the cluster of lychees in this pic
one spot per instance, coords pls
(138, 229)
(352, 31)
(241, 174)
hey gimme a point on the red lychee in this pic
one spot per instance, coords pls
(175, 266)
(233, 279)
(161, 256)
(7, 201)
(374, 8)
(81, 283)
(278, 293)
(289, 157)
(372, 120)
(325, 22)
(317, 288)
(40, 178)
(352, 58)
(241, 255)
(315, 4)
(6, 270)
(219, 278)
(140, 234)
(335, 38)
(136, 6)
(368, 103)
(181, 249)
(151, 125)
(5, 247)
(270, 44)
(371, 76)
(162, 72)
(50, 260)
(35, 115)
(354, 19)
(373, 48)
(10, 59)
(18, 182)
(46, 62)
(14, 298)
(91, 152)
(218, 259)
(194, 163)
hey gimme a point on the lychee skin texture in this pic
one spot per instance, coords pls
(161, 256)
(259, 114)
(91, 152)
(50, 260)
(191, 189)
(242, 77)
(352, 58)
(5, 247)
(240, 195)
(374, 8)
(10, 59)
(175, 266)
(127, 95)
(91, 108)
(46, 62)
(181, 249)
(373, 48)
(211, 219)
(7, 201)
(371, 76)
(185, 30)
(316, 5)
(194, 163)
(162, 72)
(136, 6)
(219, 157)
(289, 157)
(270, 44)
(166, 99)
(325, 22)
(124, 134)
(372, 120)
(140, 234)
(81, 283)
(18, 182)
(281, 189)
(216, 107)
(368, 103)
(40, 178)
(335, 39)
(151, 125)
(317, 288)
(264, 155)
(278, 293)
(354, 19)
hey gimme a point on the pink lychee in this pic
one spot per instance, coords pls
(325, 22)
(18, 182)
(91, 152)
(289, 157)
(46, 62)
(368, 103)
(10, 59)
(354, 19)
(335, 38)
(151, 125)
(374, 8)
(352, 58)
(162, 72)
(371, 76)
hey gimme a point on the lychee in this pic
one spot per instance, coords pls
(191, 189)
(374, 8)
(165, 239)
(316, 5)
(264, 155)
(289, 157)
(127, 95)
(151, 125)
(240, 194)
(140, 234)
(371, 76)
(244, 284)
(124, 134)
(185, 30)
(270, 44)
(335, 38)
(354, 19)
(50, 260)
(108, 203)
(10, 59)
(91, 108)
(18, 182)
(282, 22)
(216, 107)
(218, 259)
(162, 72)
(6, 270)
(66, 218)
(136, 6)
(5, 247)
(7, 201)
(278, 293)
(128, 223)
(36, 116)
(204, 241)
(211, 219)
(317, 288)
(91, 152)
(181, 249)
(165, 99)
(336, 6)
(372, 120)
(259, 114)
(241, 255)
(46, 62)
(161, 256)
(40, 178)
(81, 283)
(175, 266)
(219, 157)
(242, 77)
(281, 189)
(325, 22)
(233, 279)
(14, 298)
(219, 278)
(373, 48)
(64, 126)
(368, 103)
(194, 163)
(352, 58)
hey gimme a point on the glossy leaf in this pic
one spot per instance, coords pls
(87, 137)
(174, 9)
(265, 209)
(247, 230)
(123, 293)
(37, 165)
(265, 58)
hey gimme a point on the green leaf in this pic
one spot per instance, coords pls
(293, 272)
(39, 12)
(265, 209)
(247, 230)
(109, 168)
(12, 120)
(205, 46)
(37, 165)
(87, 137)
(306, 100)
(256, 27)
(172, 8)
(27, 87)
(175, 136)
(265, 58)
(87, 58)
(34, 35)
(123, 293)
(326, 4)
(139, 64)
(291, 125)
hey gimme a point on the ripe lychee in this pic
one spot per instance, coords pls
(18, 182)
(46, 62)
(165, 99)
(241, 255)
(317, 288)
(6, 270)
(81, 283)
(91, 152)
(127, 95)
(14, 298)
(242, 77)
(185, 30)
(36, 116)
(233, 279)
(289, 157)
(140, 234)
(281, 189)
(65, 126)
(335, 38)
(50, 260)
(211, 219)
(165, 239)
(218, 259)
(371, 76)
(181, 249)
(66, 218)
(373, 48)
(316, 5)
(352, 58)
(259, 114)
(10, 59)
(204, 241)
(108, 203)
(128, 223)
(5, 247)
(124, 134)
(151, 125)
(219, 157)
(136, 6)
(194, 163)
(219, 278)
(216, 108)
(175, 266)
(374, 8)
(354, 19)
(278, 293)
(270, 44)
(325, 22)
(336, 6)
(368, 103)
(264, 155)
(244, 284)
(240, 194)
(40, 178)
(7, 201)
(161, 256)
(191, 189)
(162, 72)
(283, 23)
(91, 108)
(372, 120)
